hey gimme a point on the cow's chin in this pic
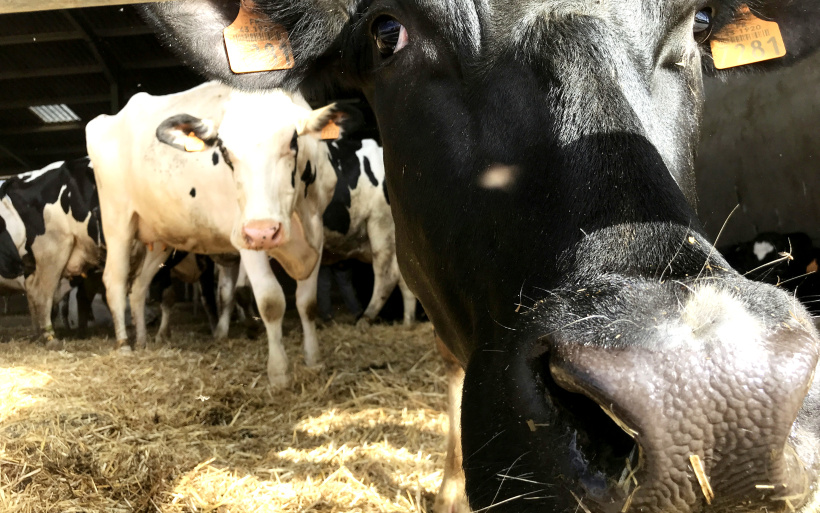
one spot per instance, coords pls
(695, 402)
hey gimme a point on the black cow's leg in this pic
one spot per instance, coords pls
(451, 497)
(207, 286)
(84, 297)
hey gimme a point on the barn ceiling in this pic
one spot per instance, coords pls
(91, 61)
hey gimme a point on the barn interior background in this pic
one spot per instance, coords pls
(61, 68)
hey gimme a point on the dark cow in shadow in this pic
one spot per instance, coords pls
(539, 165)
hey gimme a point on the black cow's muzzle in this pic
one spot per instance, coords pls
(692, 398)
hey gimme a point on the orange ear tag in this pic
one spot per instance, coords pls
(746, 40)
(193, 143)
(254, 43)
(331, 131)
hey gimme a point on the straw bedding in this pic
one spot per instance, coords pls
(191, 425)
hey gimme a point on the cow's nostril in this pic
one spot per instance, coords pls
(261, 234)
(603, 452)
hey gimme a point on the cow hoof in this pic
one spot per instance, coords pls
(278, 381)
(123, 347)
(314, 364)
(55, 344)
(451, 498)
(363, 324)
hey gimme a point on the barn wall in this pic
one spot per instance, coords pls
(760, 148)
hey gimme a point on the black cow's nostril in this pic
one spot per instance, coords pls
(602, 451)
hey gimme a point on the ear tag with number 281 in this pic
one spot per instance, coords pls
(746, 40)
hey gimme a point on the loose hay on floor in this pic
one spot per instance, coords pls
(192, 426)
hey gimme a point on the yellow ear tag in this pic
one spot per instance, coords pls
(254, 43)
(193, 143)
(812, 267)
(331, 131)
(746, 40)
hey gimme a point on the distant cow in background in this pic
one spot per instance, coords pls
(787, 260)
(11, 265)
(358, 222)
(52, 217)
(213, 170)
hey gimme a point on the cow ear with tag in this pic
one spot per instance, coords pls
(758, 35)
(187, 133)
(253, 45)
(330, 122)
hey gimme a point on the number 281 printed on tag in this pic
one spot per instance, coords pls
(747, 40)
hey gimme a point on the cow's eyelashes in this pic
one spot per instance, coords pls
(702, 24)
(389, 34)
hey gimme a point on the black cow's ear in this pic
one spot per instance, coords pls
(298, 34)
(187, 133)
(769, 34)
(330, 122)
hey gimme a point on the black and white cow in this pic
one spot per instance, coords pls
(539, 166)
(52, 218)
(213, 170)
(11, 265)
(358, 222)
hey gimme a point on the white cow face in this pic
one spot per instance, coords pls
(281, 169)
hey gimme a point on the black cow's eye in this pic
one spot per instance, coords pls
(390, 35)
(702, 26)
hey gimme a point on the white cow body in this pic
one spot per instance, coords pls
(269, 194)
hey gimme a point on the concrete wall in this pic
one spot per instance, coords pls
(760, 148)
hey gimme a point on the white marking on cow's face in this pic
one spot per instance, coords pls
(715, 315)
(257, 131)
(498, 176)
(30, 176)
(761, 249)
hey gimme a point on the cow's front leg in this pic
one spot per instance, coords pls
(306, 304)
(270, 299)
(451, 497)
(139, 291)
(228, 275)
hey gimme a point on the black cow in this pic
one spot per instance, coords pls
(539, 166)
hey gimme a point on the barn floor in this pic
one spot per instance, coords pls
(191, 425)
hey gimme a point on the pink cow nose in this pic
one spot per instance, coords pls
(264, 234)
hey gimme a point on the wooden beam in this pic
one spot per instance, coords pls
(152, 64)
(108, 63)
(24, 103)
(61, 152)
(139, 30)
(51, 72)
(44, 37)
(23, 162)
(7, 6)
(42, 129)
